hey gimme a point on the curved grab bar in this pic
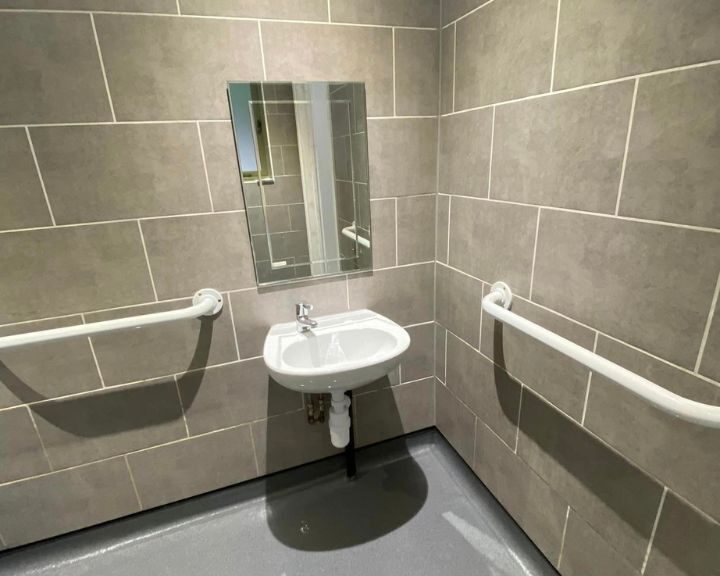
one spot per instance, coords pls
(206, 302)
(351, 232)
(497, 304)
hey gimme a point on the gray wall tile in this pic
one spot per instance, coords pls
(618, 500)
(21, 194)
(150, 6)
(585, 553)
(710, 365)
(456, 422)
(222, 165)
(485, 388)
(163, 349)
(21, 450)
(637, 37)
(672, 171)
(457, 303)
(32, 373)
(394, 411)
(384, 243)
(416, 229)
(454, 9)
(404, 295)
(528, 499)
(288, 440)
(58, 78)
(424, 14)
(97, 173)
(599, 270)
(504, 51)
(402, 156)
(493, 241)
(564, 150)
(465, 153)
(417, 65)
(255, 311)
(157, 67)
(447, 69)
(442, 228)
(553, 375)
(687, 543)
(282, 9)
(684, 456)
(233, 394)
(86, 267)
(417, 362)
(66, 501)
(183, 469)
(97, 425)
(185, 255)
(305, 52)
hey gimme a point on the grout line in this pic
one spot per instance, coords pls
(401, 117)
(468, 13)
(42, 182)
(654, 530)
(2, 540)
(147, 261)
(102, 66)
(454, 65)
(394, 76)
(588, 213)
(584, 86)
(42, 444)
(589, 383)
(177, 2)
(555, 43)
(119, 122)
(708, 323)
(446, 356)
(475, 428)
(564, 533)
(627, 146)
(447, 254)
(232, 322)
(132, 480)
(534, 258)
(207, 177)
(492, 146)
(347, 291)
(120, 221)
(397, 256)
(520, 405)
(329, 11)
(180, 402)
(262, 50)
(252, 441)
(97, 364)
(418, 324)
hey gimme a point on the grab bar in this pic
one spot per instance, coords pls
(497, 304)
(206, 302)
(351, 232)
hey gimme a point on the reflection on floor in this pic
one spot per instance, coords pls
(415, 508)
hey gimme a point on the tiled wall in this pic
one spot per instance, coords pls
(579, 162)
(120, 195)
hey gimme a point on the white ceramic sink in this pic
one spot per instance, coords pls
(344, 351)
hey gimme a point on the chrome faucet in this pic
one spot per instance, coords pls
(304, 322)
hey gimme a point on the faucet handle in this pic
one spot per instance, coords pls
(302, 308)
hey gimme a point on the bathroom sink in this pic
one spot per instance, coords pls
(344, 351)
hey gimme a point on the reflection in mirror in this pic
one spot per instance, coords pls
(302, 151)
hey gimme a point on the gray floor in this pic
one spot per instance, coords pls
(415, 508)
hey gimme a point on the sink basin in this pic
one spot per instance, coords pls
(344, 351)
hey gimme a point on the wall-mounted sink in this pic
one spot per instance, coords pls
(341, 352)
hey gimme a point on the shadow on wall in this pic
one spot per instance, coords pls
(113, 410)
(336, 512)
(580, 462)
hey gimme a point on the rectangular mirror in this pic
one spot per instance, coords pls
(302, 152)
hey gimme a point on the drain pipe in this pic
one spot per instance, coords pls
(339, 419)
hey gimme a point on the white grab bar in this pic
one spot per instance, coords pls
(206, 302)
(351, 232)
(497, 304)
